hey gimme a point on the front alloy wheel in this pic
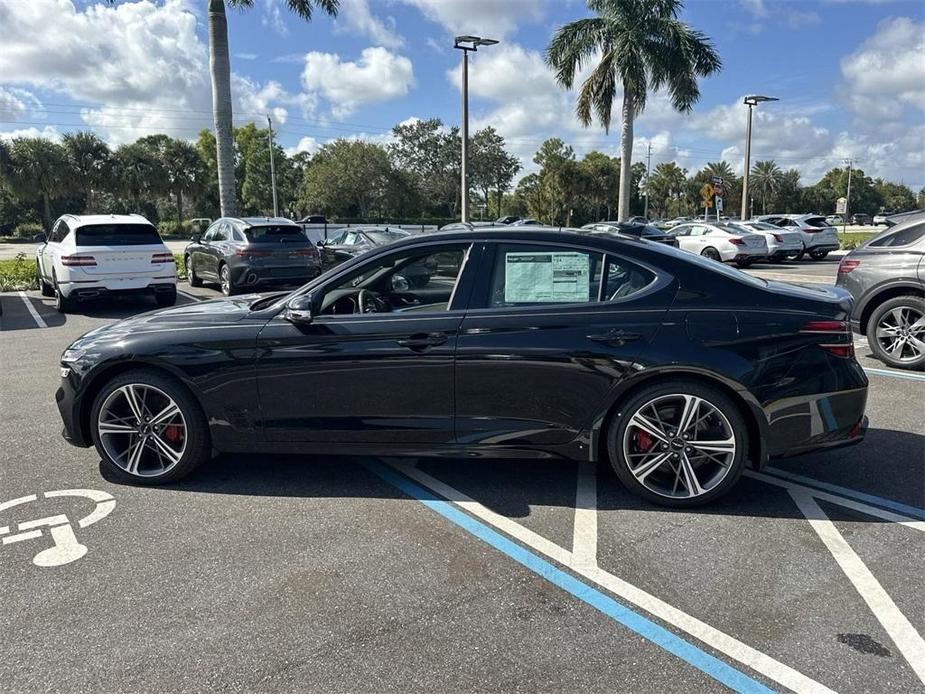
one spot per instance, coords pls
(224, 276)
(679, 446)
(148, 429)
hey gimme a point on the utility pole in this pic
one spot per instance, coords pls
(844, 220)
(648, 169)
(272, 166)
(751, 101)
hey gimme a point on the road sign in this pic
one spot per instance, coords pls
(708, 203)
(841, 206)
(707, 191)
(719, 204)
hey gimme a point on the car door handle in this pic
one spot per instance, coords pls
(615, 337)
(422, 341)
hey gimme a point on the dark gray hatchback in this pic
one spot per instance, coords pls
(886, 277)
(251, 253)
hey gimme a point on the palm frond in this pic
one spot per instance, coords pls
(598, 92)
(572, 45)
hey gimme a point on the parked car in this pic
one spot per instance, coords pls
(251, 253)
(860, 219)
(462, 226)
(510, 219)
(819, 237)
(313, 219)
(781, 244)
(91, 256)
(679, 371)
(644, 231)
(721, 242)
(886, 277)
(882, 219)
(350, 242)
(834, 220)
(671, 223)
(526, 223)
(638, 220)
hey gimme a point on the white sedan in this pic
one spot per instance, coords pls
(89, 256)
(782, 244)
(722, 242)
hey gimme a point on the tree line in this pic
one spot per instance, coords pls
(415, 177)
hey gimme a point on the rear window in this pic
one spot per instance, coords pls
(904, 237)
(270, 234)
(817, 222)
(763, 226)
(117, 235)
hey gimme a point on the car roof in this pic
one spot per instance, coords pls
(545, 234)
(79, 220)
(260, 221)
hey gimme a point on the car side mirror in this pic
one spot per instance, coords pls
(400, 284)
(40, 238)
(299, 311)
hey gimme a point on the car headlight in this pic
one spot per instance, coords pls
(72, 355)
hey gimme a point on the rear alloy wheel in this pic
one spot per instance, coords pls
(191, 275)
(818, 255)
(148, 429)
(47, 289)
(712, 254)
(62, 303)
(896, 332)
(678, 444)
(224, 276)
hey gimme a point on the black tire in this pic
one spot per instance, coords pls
(198, 442)
(712, 254)
(744, 263)
(799, 256)
(777, 259)
(225, 280)
(620, 421)
(165, 299)
(191, 275)
(63, 304)
(47, 289)
(914, 303)
(818, 255)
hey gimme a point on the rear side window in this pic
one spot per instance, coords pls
(269, 234)
(904, 237)
(117, 235)
(528, 275)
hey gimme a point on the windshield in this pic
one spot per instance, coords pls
(117, 235)
(270, 234)
(383, 237)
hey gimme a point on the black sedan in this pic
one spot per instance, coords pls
(677, 370)
(345, 244)
(639, 230)
(251, 253)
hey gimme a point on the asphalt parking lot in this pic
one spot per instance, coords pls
(314, 574)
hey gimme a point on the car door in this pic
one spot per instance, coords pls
(369, 378)
(199, 254)
(51, 254)
(217, 247)
(551, 330)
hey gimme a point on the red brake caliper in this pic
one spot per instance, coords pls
(643, 441)
(172, 433)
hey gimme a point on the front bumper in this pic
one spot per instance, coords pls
(69, 407)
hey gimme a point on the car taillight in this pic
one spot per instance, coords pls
(778, 238)
(78, 261)
(309, 251)
(846, 266)
(159, 258)
(834, 329)
(248, 253)
(736, 241)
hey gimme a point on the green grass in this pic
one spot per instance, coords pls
(853, 239)
(17, 274)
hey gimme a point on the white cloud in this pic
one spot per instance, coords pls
(49, 132)
(19, 104)
(780, 13)
(305, 144)
(491, 18)
(887, 71)
(358, 18)
(273, 17)
(246, 56)
(140, 68)
(378, 75)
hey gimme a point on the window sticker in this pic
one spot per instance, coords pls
(560, 277)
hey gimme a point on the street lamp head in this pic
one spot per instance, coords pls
(755, 99)
(472, 43)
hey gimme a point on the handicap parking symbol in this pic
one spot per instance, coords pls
(60, 528)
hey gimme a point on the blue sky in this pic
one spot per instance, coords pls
(850, 76)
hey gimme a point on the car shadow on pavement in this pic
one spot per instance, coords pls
(512, 487)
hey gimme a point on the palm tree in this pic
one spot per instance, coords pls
(767, 178)
(220, 66)
(38, 168)
(641, 45)
(91, 161)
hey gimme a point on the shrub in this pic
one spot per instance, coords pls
(174, 228)
(17, 274)
(27, 230)
(181, 265)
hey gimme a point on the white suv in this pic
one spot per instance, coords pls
(88, 256)
(819, 237)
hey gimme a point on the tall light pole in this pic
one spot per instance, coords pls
(466, 44)
(750, 101)
(272, 166)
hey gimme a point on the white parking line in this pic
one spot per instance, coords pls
(584, 536)
(35, 314)
(189, 296)
(907, 639)
(712, 637)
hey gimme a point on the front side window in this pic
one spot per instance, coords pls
(59, 232)
(415, 280)
(220, 233)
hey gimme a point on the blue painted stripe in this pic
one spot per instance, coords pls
(734, 679)
(896, 374)
(873, 499)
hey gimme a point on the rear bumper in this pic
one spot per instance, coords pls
(246, 276)
(87, 291)
(823, 247)
(784, 252)
(818, 421)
